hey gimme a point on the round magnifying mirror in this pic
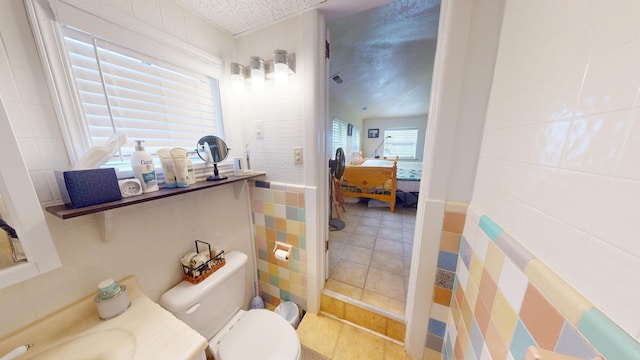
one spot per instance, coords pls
(213, 149)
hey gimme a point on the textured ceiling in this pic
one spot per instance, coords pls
(383, 50)
(238, 16)
(385, 57)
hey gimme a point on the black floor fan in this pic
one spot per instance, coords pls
(336, 170)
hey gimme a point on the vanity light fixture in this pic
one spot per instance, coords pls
(256, 66)
(259, 70)
(280, 68)
(237, 77)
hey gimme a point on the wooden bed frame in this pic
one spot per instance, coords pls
(373, 182)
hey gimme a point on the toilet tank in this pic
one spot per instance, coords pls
(207, 306)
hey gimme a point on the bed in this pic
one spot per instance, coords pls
(384, 180)
(374, 179)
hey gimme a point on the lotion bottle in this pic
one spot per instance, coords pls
(143, 168)
(167, 167)
(191, 171)
(179, 156)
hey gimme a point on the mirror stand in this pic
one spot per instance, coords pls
(212, 150)
(216, 175)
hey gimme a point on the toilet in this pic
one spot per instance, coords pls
(216, 309)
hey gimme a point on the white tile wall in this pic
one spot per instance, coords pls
(280, 111)
(148, 239)
(558, 167)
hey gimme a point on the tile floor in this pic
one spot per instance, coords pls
(324, 338)
(369, 259)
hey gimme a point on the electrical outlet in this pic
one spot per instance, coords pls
(260, 130)
(297, 155)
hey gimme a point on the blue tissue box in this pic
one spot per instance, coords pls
(80, 188)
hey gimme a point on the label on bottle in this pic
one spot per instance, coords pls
(149, 179)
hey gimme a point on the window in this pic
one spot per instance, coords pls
(339, 136)
(164, 92)
(121, 90)
(401, 143)
(355, 140)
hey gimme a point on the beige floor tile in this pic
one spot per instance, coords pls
(356, 254)
(350, 273)
(387, 283)
(348, 227)
(390, 246)
(388, 261)
(320, 334)
(351, 217)
(396, 216)
(393, 351)
(366, 230)
(342, 236)
(391, 224)
(407, 236)
(390, 234)
(363, 241)
(374, 213)
(355, 344)
(383, 302)
(340, 287)
(366, 225)
(356, 209)
(407, 249)
(336, 248)
(369, 221)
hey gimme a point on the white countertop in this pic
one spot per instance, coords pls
(145, 331)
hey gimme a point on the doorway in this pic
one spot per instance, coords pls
(380, 79)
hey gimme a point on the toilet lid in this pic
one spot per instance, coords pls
(260, 334)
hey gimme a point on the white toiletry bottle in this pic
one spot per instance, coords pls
(191, 171)
(143, 168)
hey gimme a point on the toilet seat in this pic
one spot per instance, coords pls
(258, 334)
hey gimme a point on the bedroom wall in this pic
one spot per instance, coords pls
(369, 145)
(336, 110)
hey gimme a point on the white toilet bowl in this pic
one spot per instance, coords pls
(256, 334)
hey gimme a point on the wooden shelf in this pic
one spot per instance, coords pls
(64, 212)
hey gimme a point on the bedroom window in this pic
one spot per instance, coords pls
(355, 140)
(401, 143)
(339, 136)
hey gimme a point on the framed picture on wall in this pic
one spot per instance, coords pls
(349, 130)
(374, 133)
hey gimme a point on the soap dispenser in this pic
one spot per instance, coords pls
(143, 168)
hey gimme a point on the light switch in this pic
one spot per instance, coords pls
(297, 155)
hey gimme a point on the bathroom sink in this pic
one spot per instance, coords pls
(104, 345)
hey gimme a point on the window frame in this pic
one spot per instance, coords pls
(104, 21)
(355, 139)
(343, 131)
(385, 150)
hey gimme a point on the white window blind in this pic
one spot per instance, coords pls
(355, 139)
(339, 136)
(122, 90)
(401, 143)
